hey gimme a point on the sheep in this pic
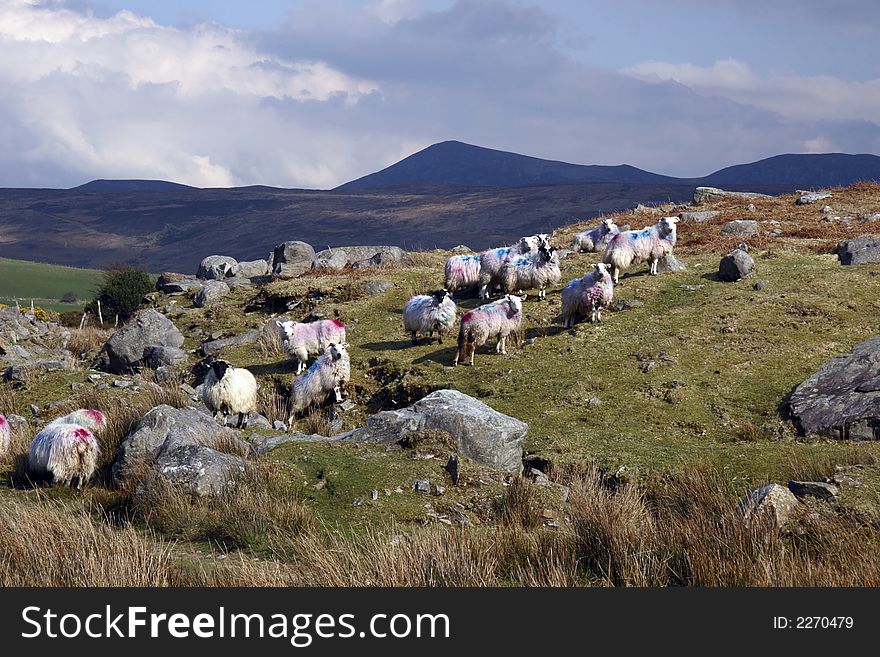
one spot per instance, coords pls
(532, 271)
(498, 319)
(633, 246)
(305, 339)
(230, 390)
(492, 261)
(590, 293)
(592, 240)
(462, 272)
(67, 451)
(5, 435)
(84, 417)
(426, 313)
(330, 373)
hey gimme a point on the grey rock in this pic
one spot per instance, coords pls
(422, 486)
(363, 254)
(703, 194)
(187, 286)
(211, 293)
(213, 347)
(269, 443)
(251, 269)
(842, 399)
(122, 383)
(374, 494)
(861, 250)
(461, 248)
(156, 356)
(216, 267)
(375, 287)
(870, 218)
(292, 258)
(257, 421)
(378, 261)
(623, 304)
(698, 217)
(347, 405)
(21, 373)
(278, 425)
(740, 228)
(337, 260)
(669, 264)
(200, 470)
(124, 350)
(481, 433)
(812, 197)
(826, 209)
(818, 489)
(760, 285)
(16, 421)
(236, 282)
(593, 402)
(735, 265)
(691, 288)
(772, 503)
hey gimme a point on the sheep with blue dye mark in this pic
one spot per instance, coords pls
(462, 272)
(426, 313)
(5, 435)
(596, 238)
(499, 319)
(533, 271)
(587, 295)
(493, 260)
(303, 340)
(649, 244)
(327, 376)
(65, 451)
(229, 390)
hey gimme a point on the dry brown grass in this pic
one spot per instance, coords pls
(85, 343)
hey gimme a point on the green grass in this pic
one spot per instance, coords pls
(45, 284)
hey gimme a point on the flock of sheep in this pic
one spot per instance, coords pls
(67, 449)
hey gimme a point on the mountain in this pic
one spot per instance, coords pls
(456, 164)
(117, 186)
(820, 170)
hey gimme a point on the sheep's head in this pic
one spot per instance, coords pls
(547, 252)
(529, 244)
(514, 302)
(4, 427)
(92, 419)
(285, 330)
(440, 295)
(609, 225)
(601, 269)
(668, 224)
(337, 351)
(219, 368)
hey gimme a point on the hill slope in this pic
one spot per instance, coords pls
(820, 170)
(115, 186)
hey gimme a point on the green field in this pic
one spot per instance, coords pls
(45, 284)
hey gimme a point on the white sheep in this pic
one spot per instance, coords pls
(67, 451)
(84, 417)
(492, 261)
(499, 319)
(596, 238)
(462, 272)
(531, 271)
(305, 339)
(587, 295)
(633, 246)
(230, 390)
(426, 313)
(5, 435)
(330, 373)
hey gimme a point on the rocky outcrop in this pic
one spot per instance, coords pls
(704, 194)
(251, 269)
(291, 259)
(216, 267)
(211, 294)
(124, 351)
(325, 260)
(669, 264)
(861, 250)
(215, 346)
(812, 197)
(200, 470)
(842, 399)
(698, 217)
(481, 433)
(740, 228)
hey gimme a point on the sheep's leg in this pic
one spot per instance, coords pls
(338, 392)
(473, 348)
(616, 271)
(455, 360)
(652, 267)
(79, 482)
(413, 337)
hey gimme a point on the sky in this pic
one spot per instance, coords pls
(314, 93)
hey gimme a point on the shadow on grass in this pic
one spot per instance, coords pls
(388, 345)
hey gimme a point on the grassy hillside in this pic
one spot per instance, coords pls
(690, 378)
(45, 284)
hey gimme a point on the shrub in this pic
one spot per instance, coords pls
(68, 297)
(121, 292)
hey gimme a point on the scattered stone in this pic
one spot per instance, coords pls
(122, 383)
(812, 197)
(459, 517)
(257, 421)
(35, 409)
(647, 367)
(870, 218)
(826, 209)
(628, 305)
(528, 342)
(818, 489)
(422, 486)
(740, 228)
(703, 194)
(437, 490)
(842, 399)
(594, 402)
(358, 501)
(773, 502)
(213, 347)
(251, 269)
(735, 265)
(124, 351)
(375, 287)
(374, 494)
(278, 425)
(347, 405)
(760, 285)
(216, 267)
(862, 250)
(211, 293)
(691, 288)
(669, 264)
(698, 217)
(94, 378)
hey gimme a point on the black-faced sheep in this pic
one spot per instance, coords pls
(426, 313)
(329, 374)
(230, 390)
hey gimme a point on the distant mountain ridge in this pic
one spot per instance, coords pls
(456, 164)
(102, 185)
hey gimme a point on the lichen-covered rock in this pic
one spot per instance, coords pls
(200, 470)
(291, 259)
(216, 267)
(156, 356)
(670, 264)
(251, 269)
(735, 266)
(211, 294)
(740, 228)
(861, 250)
(772, 503)
(124, 350)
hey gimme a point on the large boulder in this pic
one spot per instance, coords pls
(216, 267)
(812, 197)
(482, 434)
(365, 253)
(772, 503)
(735, 266)
(842, 399)
(251, 269)
(215, 346)
(337, 260)
(164, 428)
(860, 250)
(670, 264)
(698, 217)
(183, 286)
(211, 294)
(740, 228)
(200, 470)
(292, 258)
(704, 194)
(156, 356)
(124, 350)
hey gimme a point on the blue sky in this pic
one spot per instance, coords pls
(311, 94)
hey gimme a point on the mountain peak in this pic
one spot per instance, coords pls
(102, 185)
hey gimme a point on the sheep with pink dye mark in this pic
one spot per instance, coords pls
(462, 272)
(499, 319)
(305, 339)
(633, 246)
(596, 238)
(5, 435)
(534, 271)
(493, 260)
(84, 417)
(329, 374)
(66, 451)
(587, 295)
